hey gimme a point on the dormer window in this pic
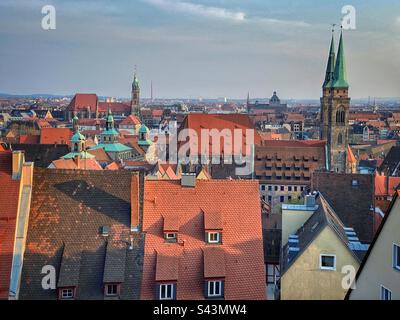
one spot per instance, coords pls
(111, 289)
(214, 289)
(213, 225)
(213, 237)
(171, 228)
(66, 293)
(170, 236)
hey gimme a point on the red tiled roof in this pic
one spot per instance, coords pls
(385, 186)
(9, 194)
(84, 164)
(112, 166)
(294, 143)
(100, 155)
(242, 242)
(171, 223)
(116, 107)
(130, 120)
(231, 122)
(167, 265)
(82, 101)
(29, 139)
(157, 113)
(213, 220)
(214, 262)
(55, 136)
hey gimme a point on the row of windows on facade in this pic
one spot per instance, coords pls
(277, 177)
(281, 188)
(281, 198)
(210, 237)
(287, 168)
(212, 289)
(110, 290)
(294, 158)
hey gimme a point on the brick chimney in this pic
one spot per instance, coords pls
(17, 161)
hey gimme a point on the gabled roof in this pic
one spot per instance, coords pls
(72, 206)
(130, 120)
(55, 135)
(388, 213)
(83, 101)
(351, 196)
(83, 164)
(9, 194)
(323, 217)
(242, 242)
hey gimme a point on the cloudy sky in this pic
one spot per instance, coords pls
(191, 49)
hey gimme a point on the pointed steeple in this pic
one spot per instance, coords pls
(110, 120)
(248, 100)
(330, 68)
(75, 125)
(340, 74)
(135, 83)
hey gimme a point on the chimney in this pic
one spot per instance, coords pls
(188, 180)
(17, 161)
(309, 200)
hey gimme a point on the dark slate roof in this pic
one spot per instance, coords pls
(68, 210)
(352, 203)
(391, 162)
(42, 154)
(324, 216)
(114, 269)
(70, 265)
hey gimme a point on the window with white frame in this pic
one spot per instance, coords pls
(111, 289)
(396, 256)
(170, 236)
(214, 288)
(166, 291)
(67, 293)
(327, 262)
(386, 294)
(213, 237)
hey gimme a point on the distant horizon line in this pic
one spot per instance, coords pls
(37, 95)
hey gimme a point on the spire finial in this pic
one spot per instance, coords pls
(333, 27)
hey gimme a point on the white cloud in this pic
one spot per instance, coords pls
(198, 10)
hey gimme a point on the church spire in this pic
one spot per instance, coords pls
(110, 120)
(330, 68)
(340, 74)
(135, 95)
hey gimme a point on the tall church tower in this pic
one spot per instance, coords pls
(135, 98)
(335, 105)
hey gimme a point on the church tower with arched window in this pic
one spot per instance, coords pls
(335, 105)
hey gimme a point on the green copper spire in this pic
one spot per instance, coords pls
(110, 120)
(330, 68)
(340, 67)
(135, 83)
